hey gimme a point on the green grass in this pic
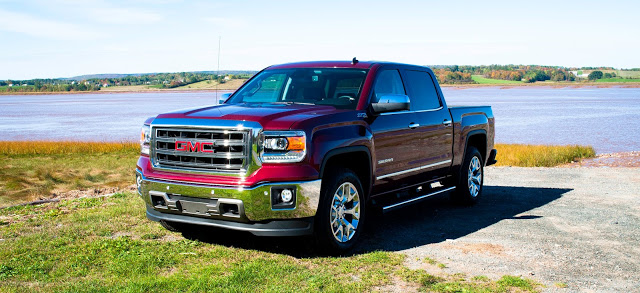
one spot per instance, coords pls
(430, 261)
(628, 73)
(561, 285)
(541, 155)
(483, 80)
(618, 79)
(107, 244)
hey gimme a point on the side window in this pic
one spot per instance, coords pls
(388, 82)
(423, 91)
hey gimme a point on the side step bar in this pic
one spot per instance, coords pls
(415, 199)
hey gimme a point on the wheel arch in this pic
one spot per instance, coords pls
(355, 158)
(477, 139)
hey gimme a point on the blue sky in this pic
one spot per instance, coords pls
(63, 38)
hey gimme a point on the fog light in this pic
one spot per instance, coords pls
(286, 195)
(283, 197)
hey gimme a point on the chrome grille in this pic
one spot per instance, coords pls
(201, 149)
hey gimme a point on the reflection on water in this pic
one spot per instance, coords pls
(608, 119)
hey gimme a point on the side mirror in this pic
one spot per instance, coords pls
(391, 103)
(224, 98)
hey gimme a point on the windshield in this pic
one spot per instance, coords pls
(338, 87)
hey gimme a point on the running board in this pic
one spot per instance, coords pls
(415, 199)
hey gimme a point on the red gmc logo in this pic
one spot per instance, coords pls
(187, 146)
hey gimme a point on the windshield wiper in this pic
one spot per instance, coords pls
(292, 103)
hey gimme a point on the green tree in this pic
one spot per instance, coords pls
(596, 74)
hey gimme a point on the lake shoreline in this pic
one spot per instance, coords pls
(450, 86)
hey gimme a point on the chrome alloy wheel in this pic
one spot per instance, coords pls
(474, 176)
(345, 212)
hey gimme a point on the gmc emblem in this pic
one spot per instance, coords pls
(187, 146)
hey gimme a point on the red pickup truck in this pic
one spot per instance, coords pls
(312, 148)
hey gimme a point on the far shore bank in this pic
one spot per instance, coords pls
(452, 86)
(118, 92)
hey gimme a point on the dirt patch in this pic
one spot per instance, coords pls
(484, 248)
(613, 160)
(92, 192)
(398, 286)
(72, 194)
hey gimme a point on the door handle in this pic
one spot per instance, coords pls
(414, 125)
(446, 122)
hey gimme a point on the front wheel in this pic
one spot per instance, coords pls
(470, 180)
(340, 216)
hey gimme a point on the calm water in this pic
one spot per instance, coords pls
(608, 119)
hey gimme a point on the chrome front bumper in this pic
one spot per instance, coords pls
(241, 205)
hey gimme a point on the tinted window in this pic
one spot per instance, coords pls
(338, 87)
(423, 91)
(388, 82)
(268, 89)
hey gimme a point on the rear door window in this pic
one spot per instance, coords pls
(423, 92)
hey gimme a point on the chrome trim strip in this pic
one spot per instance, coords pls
(406, 112)
(230, 187)
(413, 169)
(418, 198)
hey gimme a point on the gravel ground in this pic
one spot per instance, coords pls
(574, 226)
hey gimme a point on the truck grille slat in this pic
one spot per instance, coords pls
(200, 149)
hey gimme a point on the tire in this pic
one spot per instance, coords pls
(470, 180)
(340, 219)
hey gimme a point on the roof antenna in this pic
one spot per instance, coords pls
(218, 71)
(354, 61)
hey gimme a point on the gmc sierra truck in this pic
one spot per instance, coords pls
(313, 148)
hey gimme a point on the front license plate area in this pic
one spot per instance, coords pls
(193, 208)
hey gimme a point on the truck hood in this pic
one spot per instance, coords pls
(270, 116)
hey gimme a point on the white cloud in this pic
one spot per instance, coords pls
(38, 27)
(100, 11)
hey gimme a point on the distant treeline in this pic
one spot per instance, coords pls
(457, 74)
(157, 80)
(446, 74)
(527, 73)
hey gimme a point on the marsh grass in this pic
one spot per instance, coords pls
(541, 155)
(65, 147)
(107, 245)
(34, 170)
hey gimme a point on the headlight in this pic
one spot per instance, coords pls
(145, 139)
(283, 146)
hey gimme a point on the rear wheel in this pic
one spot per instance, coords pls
(339, 221)
(470, 180)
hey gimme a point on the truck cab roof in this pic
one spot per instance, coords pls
(336, 64)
